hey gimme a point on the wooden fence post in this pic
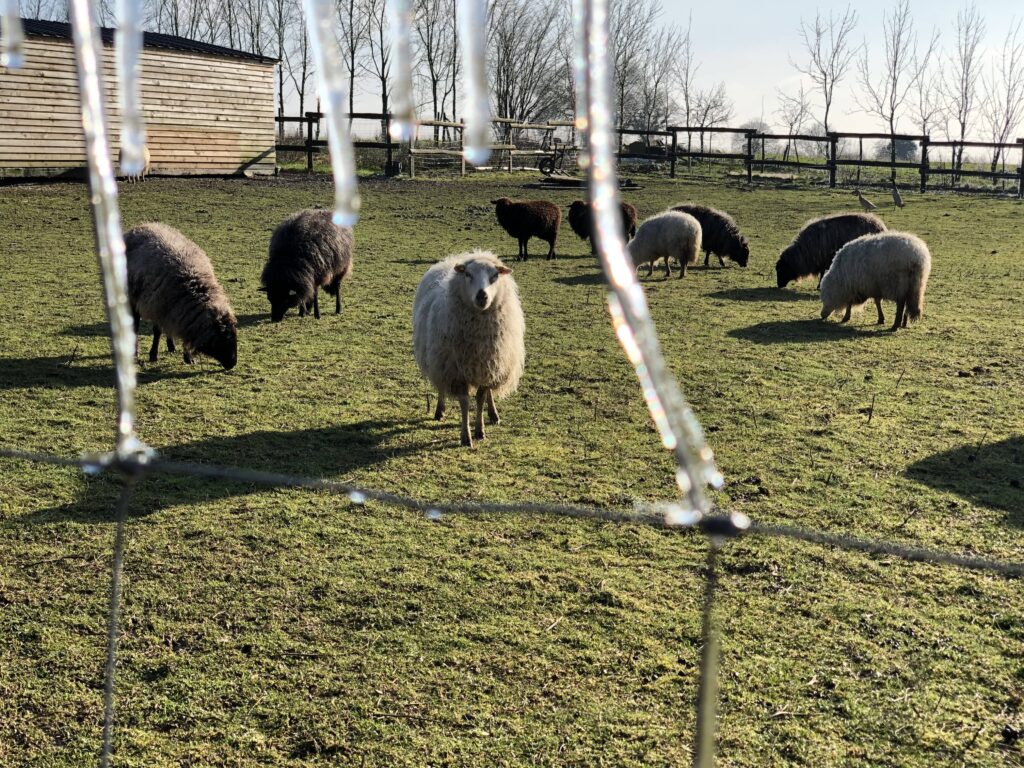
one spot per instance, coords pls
(309, 144)
(389, 158)
(924, 163)
(833, 152)
(675, 147)
(749, 159)
(1020, 171)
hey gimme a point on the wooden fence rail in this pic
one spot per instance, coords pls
(677, 143)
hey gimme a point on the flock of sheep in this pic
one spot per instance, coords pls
(468, 326)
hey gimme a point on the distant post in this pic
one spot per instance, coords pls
(675, 147)
(749, 160)
(833, 153)
(309, 143)
(924, 163)
(1020, 171)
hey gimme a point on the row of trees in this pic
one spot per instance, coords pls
(910, 83)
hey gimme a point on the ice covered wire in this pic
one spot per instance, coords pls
(678, 427)
(12, 36)
(107, 220)
(330, 75)
(473, 37)
(128, 53)
(404, 112)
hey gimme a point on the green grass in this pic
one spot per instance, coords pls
(270, 627)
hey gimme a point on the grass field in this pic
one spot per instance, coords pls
(265, 627)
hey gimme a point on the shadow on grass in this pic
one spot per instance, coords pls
(324, 452)
(800, 331)
(990, 475)
(592, 278)
(70, 371)
(762, 294)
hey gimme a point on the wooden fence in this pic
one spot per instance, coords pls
(676, 144)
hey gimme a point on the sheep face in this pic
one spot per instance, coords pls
(501, 202)
(478, 282)
(281, 300)
(783, 272)
(222, 344)
(741, 252)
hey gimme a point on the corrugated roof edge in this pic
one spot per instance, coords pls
(41, 28)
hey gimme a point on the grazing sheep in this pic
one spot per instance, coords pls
(307, 252)
(468, 332)
(663, 236)
(719, 234)
(145, 165)
(529, 218)
(581, 224)
(891, 265)
(171, 283)
(816, 243)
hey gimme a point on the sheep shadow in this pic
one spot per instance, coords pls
(592, 278)
(762, 294)
(72, 371)
(800, 331)
(990, 475)
(322, 452)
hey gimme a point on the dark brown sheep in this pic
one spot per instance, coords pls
(171, 283)
(719, 234)
(581, 224)
(815, 245)
(529, 218)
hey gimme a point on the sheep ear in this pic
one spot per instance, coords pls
(503, 270)
(460, 267)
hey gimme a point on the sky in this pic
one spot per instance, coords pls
(748, 45)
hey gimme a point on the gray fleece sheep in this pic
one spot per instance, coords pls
(307, 252)
(171, 283)
(816, 243)
(720, 234)
(892, 265)
(529, 218)
(669, 234)
(467, 334)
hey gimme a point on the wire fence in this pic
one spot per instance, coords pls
(132, 462)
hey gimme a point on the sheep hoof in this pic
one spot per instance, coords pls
(478, 434)
(467, 441)
(493, 419)
(152, 357)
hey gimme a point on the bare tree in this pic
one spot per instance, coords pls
(887, 95)
(434, 34)
(960, 86)
(794, 110)
(280, 17)
(630, 27)
(1003, 106)
(297, 59)
(829, 49)
(377, 61)
(711, 108)
(686, 80)
(928, 107)
(352, 34)
(657, 104)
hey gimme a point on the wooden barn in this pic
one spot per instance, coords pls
(208, 109)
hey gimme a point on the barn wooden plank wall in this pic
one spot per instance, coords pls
(205, 114)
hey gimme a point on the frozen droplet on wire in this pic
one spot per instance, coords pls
(330, 76)
(404, 114)
(472, 36)
(678, 516)
(357, 497)
(434, 515)
(128, 55)
(12, 36)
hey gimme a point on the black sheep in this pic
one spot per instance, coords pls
(580, 221)
(307, 252)
(720, 234)
(529, 218)
(817, 242)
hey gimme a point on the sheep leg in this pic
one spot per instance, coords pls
(155, 349)
(335, 288)
(526, 248)
(881, 317)
(492, 412)
(650, 268)
(682, 268)
(668, 269)
(707, 259)
(901, 306)
(551, 250)
(135, 321)
(846, 316)
(721, 261)
(170, 343)
(440, 409)
(464, 405)
(478, 426)
(316, 302)
(186, 355)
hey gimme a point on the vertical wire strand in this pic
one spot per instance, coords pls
(473, 35)
(707, 688)
(330, 75)
(107, 221)
(113, 615)
(128, 54)
(12, 36)
(405, 112)
(679, 429)
(579, 69)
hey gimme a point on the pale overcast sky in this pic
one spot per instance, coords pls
(748, 45)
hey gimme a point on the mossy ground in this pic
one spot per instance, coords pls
(264, 627)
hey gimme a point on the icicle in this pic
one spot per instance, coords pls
(405, 113)
(473, 36)
(579, 70)
(680, 432)
(107, 221)
(128, 53)
(13, 38)
(330, 72)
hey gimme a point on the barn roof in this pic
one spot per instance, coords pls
(40, 28)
